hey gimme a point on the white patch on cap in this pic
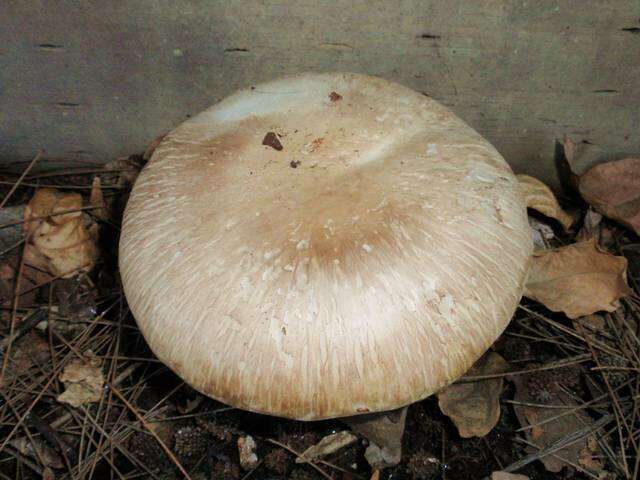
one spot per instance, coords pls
(445, 307)
(270, 254)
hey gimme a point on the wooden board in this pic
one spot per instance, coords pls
(90, 81)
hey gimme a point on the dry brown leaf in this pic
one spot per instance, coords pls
(566, 165)
(474, 407)
(579, 279)
(34, 272)
(328, 445)
(508, 476)
(97, 199)
(539, 197)
(83, 381)
(613, 189)
(65, 243)
(588, 458)
(579, 157)
(384, 431)
(547, 388)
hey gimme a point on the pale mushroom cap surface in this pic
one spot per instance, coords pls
(366, 278)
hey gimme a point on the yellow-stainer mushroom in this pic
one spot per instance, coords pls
(323, 246)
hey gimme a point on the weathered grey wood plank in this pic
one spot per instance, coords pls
(93, 80)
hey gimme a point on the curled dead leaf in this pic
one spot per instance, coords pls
(83, 381)
(566, 164)
(579, 279)
(63, 243)
(580, 156)
(474, 407)
(539, 197)
(384, 432)
(613, 189)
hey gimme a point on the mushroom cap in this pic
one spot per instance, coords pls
(362, 267)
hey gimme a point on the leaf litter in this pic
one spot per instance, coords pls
(539, 197)
(542, 426)
(83, 381)
(613, 189)
(474, 407)
(61, 237)
(578, 279)
(556, 392)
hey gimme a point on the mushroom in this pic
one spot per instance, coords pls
(324, 246)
